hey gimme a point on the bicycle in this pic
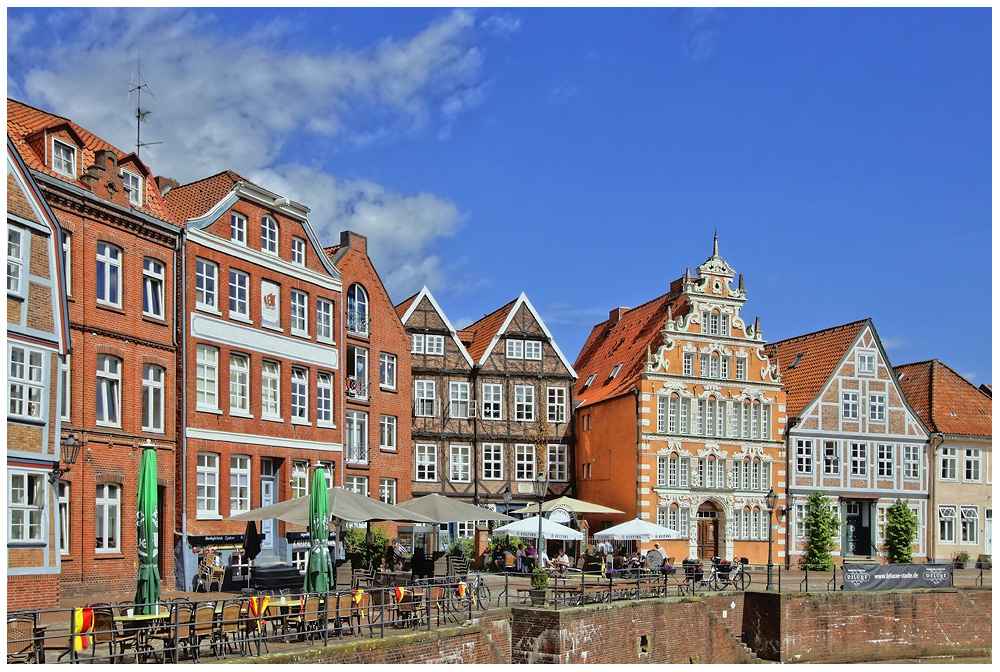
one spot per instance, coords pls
(477, 590)
(735, 576)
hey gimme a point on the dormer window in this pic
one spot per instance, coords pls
(614, 371)
(238, 228)
(63, 158)
(133, 185)
(590, 380)
(268, 235)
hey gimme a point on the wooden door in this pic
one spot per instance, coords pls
(708, 538)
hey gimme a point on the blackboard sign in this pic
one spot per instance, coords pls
(897, 577)
(216, 540)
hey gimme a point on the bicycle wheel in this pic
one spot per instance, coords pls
(482, 595)
(741, 580)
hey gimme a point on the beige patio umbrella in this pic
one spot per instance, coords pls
(446, 510)
(570, 504)
(344, 504)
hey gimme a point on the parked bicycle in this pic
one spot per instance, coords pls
(725, 574)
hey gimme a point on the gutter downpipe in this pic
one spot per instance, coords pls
(789, 509)
(638, 450)
(936, 439)
(181, 240)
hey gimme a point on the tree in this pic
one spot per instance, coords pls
(822, 526)
(900, 531)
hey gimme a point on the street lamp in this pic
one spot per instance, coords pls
(71, 450)
(771, 500)
(508, 497)
(541, 486)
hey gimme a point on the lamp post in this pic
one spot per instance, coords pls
(541, 486)
(508, 497)
(71, 450)
(770, 500)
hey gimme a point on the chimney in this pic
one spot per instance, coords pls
(355, 241)
(615, 315)
(165, 184)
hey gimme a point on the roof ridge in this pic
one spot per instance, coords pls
(233, 173)
(820, 331)
(38, 109)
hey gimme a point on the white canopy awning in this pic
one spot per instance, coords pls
(529, 528)
(637, 530)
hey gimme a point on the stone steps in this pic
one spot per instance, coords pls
(712, 616)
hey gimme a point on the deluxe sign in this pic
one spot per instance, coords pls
(897, 577)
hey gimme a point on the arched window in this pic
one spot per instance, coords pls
(268, 235)
(108, 507)
(357, 310)
(109, 380)
(755, 523)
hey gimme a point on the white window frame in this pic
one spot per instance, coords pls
(949, 464)
(859, 459)
(206, 290)
(356, 484)
(804, 456)
(356, 437)
(493, 462)
(849, 405)
(459, 399)
(270, 385)
(425, 398)
(911, 462)
(434, 344)
(298, 309)
(831, 458)
(524, 462)
(207, 378)
(387, 490)
(153, 378)
(25, 382)
(298, 251)
(238, 228)
(741, 368)
(109, 385)
(876, 407)
(152, 287)
(268, 235)
(108, 515)
(556, 404)
(239, 295)
(533, 350)
(300, 395)
(63, 502)
(207, 484)
(687, 368)
(239, 384)
(972, 461)
(300, 478)
(67, 255)
(460, 463)
(492, 401)
(132, 183)
(515, 348)
(885, 457)
(524, 403)
(557, 464)
(324, 399)
(387, 370)
(947, 524)
(239, 483)
(425, 461)
(324, 320)
(26, 497)
(866, 362)
(62, 164)
(969, 525)
(358, 315)
(387, 432)
(17, 244)
(109, 270)
(418, 344)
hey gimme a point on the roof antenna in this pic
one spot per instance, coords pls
(140, 114)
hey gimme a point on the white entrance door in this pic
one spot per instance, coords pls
(267, 486)
(988, 533)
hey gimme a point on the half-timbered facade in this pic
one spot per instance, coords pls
(851, 436)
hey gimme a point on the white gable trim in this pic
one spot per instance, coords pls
(523, 300)
(426, 293)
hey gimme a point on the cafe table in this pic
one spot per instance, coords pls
(143, 625)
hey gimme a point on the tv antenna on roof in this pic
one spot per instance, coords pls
(140, 113)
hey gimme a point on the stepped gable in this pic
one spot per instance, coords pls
(946, 402)
(821, 352)
(483, 331)
(197, 198)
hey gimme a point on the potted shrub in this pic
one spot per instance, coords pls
(961, 560)
(539, 586)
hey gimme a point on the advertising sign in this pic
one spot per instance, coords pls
(270, 303)
(897, 577)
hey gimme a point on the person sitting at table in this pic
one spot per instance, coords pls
(418, 563)
(542, 559)
(498, 558)
(635, 562)
(562, 560)
(392, 558)
(529, 557)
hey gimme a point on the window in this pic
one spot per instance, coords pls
(972, 462)
(357, 310)
(947, 516)
(387, 490)
(63, 497)
(590, 379)
(207, 376)
(300, 395)
(298, 251)
(661, 413)
(661, 470)
(16, 239)
(418, 344)
(458, 395)
(108, 390)
(237, 228)
(533, 350)
(859, 459)
(911, 462)
(299, 309)
(741, 368)
(688, 369)
(387, 370)
(425, 456)
(849, 405)
(515, 348)
(803, 456)
(63, 158)
(949, 464)
(387, 432)
(703, 366)
(492, 401)
(358, 484)
(434, 344)
(133, 186)
(424, 398)
(206, 279)
(239, 384)
(801, 531)
(876, 408)
(24, 383)
(324, 399)
(970, 524)
(884, 456)
(107, 514)
(152, 288)
(25, 505)
(239, 483)
(324, 320)
(268, 235)
(67, 248)
(493, 461)
(524, 462)
(356, 437)
(300, 478)
(239, 294)
(685, 413)
(461, 464)
(556, 404)
(866, 362)
(64, 386)
(713, 366)
(207, 478)
(270, 378)
(152, 398)
(831, 458)
(524, 403)
(109, 275)
(715, 324)
(558, 463)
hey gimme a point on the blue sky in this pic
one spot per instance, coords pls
(583, 156)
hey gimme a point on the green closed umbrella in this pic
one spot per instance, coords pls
(147, 592)
(319, 569)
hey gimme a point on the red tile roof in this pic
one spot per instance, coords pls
(821, 352)
(484, 330)
(197, 198)
(946, 401)
(405, 305)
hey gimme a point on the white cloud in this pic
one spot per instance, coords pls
(971, 376)
(502, 24)
(892, 343)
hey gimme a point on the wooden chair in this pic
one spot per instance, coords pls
(22, 645)
(409, 609)
(226, 628)
(209, 573)
(105, 631)
(308, 617)
(177, 629)
(342, 612)
(201, 627)
(252, 626)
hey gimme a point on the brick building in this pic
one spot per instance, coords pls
(259, 391)
(960, 418)
(118, 251)
(851, 436)
(680, 418)
(37, 344)
(492, 405)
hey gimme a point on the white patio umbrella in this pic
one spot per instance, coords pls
(637, 530)
(446, 510)
(529, 528)
(570, 504)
